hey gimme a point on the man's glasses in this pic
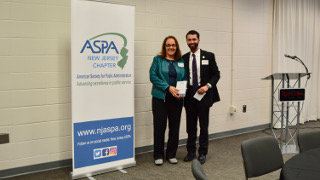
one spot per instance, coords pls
(171, 45)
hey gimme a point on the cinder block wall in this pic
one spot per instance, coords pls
(35, 99)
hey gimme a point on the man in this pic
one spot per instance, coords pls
(203, 75)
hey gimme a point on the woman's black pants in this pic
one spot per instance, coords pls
(170, 109)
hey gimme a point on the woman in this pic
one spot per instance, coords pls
(166, 69)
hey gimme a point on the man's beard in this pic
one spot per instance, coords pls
(193, 47)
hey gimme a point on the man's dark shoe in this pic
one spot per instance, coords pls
(202, 158)
(189, 157)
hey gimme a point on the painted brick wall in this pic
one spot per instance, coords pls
(35, 105)
(252, 50)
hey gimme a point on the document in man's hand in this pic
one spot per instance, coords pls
(182, 87)
(199, 96)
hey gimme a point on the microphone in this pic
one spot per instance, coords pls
(299, 60)
(288, 56)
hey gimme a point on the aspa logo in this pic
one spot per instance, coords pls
(105, 52)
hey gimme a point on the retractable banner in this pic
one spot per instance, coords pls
(102, 60)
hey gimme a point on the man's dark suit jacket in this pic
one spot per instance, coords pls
(209, 74)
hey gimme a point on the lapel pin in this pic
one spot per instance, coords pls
(203, 57)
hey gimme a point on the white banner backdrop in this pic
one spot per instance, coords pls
(102, 49)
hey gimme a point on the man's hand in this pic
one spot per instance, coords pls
(203, 89)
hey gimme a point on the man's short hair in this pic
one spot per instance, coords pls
(193, 32)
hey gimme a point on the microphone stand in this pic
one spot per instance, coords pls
(299, 60)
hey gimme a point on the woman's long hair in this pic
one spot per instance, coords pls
(163, 53)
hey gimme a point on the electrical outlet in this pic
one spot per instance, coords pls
(244, 108)
(233, 110)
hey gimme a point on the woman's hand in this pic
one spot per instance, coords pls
(175, 92)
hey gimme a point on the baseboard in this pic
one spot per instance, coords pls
(35, 168)
(239, 131)
(140, 150)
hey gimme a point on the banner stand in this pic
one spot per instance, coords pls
(90, 174)
(102, 81)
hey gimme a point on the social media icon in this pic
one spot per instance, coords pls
(105, 152)
(97, 153)
(113, 151)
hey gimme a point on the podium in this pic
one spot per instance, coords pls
(289, 84)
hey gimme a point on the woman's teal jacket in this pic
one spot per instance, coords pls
(159, 75)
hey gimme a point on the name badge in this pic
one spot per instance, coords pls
(205, 62)
(181, 64)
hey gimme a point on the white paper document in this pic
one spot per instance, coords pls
(182, 87)
(199, 96)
